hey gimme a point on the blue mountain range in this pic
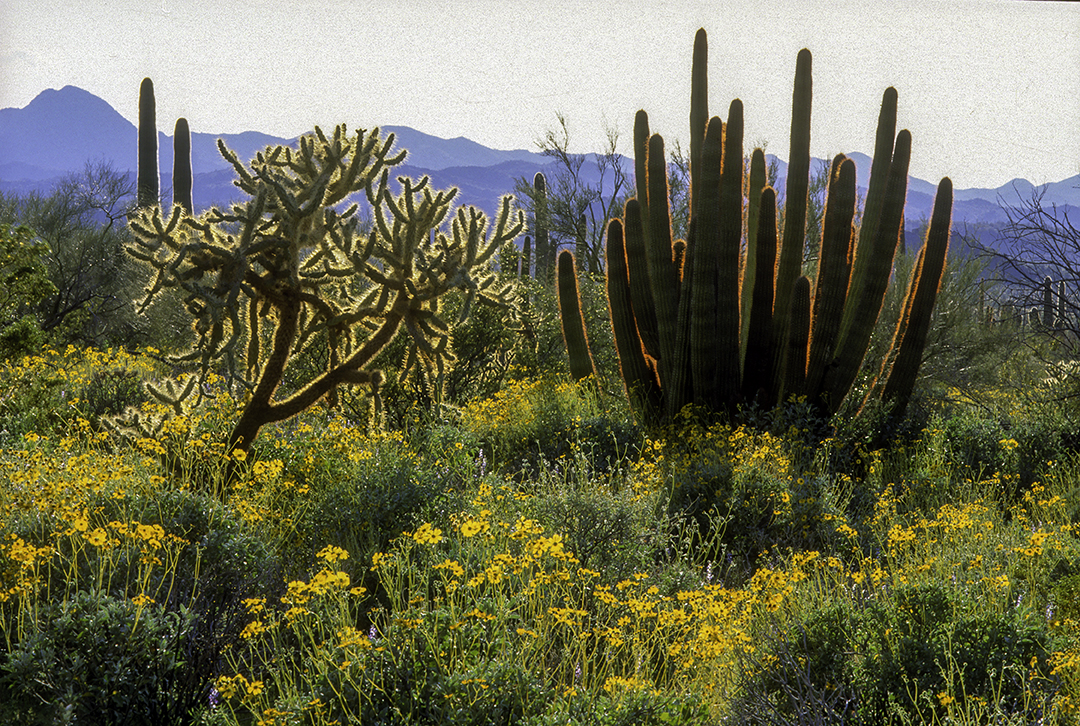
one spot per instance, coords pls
(61, 130)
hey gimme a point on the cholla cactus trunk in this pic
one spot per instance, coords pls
(148, 183)
(182, 178)
(573, 325)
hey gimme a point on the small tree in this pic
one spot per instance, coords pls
(24, 282)
(577, 208)
(290, 269)
(1039, 242)
(82, 222)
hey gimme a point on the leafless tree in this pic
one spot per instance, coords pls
(579, 207)
(1036, 263)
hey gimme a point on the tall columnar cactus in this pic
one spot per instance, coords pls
(1061, 305)
(526, 258)
(724, 318)
(148, 182)
(573, 325)
(914, 324)
(1048, 303)
(545, 255)
(182, 166)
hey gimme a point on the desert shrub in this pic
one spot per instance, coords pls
(376, 491)
(917, 656)
(49, 391)
(533, 422)
(604, 530)
(96, 659)
(746, 492)
(109, 392)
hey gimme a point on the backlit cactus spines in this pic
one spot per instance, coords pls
(687, 314)
(577, 345)
(182, 165)
(148, 182)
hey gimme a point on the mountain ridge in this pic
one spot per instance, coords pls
(61, 130)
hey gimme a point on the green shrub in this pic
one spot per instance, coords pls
(98, 660)
(918, 657)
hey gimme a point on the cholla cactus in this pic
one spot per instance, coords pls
(287, 270)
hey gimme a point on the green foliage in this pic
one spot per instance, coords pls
(80, 226)
(888, 663)
(97, 660)
(24, 282)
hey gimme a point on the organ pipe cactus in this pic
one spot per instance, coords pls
(542, 245)
(573, 325)
(724, 318)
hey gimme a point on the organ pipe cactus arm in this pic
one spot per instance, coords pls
(914, 327)
(182, 178)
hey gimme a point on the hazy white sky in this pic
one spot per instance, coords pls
(989, 88)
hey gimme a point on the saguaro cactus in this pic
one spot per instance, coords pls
(545, 256)
(724, 318)
(148, 183)
(181, 178)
